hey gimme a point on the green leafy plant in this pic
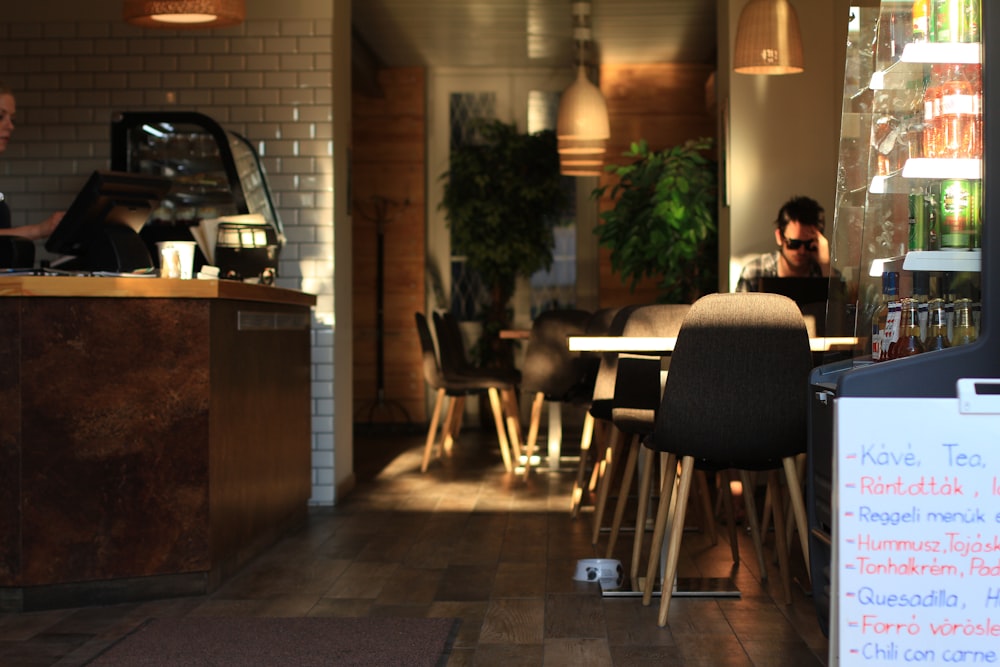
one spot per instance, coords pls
(502, 197)
(664, 221)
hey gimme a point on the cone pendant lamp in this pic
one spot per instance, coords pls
(582, 127)
(175, 14)
(768, 40)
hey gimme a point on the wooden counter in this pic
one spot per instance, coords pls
(156, 434)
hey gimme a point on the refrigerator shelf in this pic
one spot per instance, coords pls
(908, 71)
(943, 260)
(970, 169)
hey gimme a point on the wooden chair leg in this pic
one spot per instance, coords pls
(662, 523)
(511, 411)
(751, 511)
(432, 430)
(624, 490)
(798, 508)
(727, 504)
(501, 427)
(536, 418)
(774, 483)
(706, 506)
(645, 483)
(607, 473)
(674, 546)
(603, 437)
(765, 521)
(581, 470)
(452, 423)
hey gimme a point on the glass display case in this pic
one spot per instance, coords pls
(909, 180)
(912, 211)
(216, 176)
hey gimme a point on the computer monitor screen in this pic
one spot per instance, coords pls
(101, 227)
(800, 289)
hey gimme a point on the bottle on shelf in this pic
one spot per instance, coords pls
(964, 330)
(909, 342)
(954, 20)
(921, 295)
(937, 326)
(919, 222)
(932, 111)
(920, 11)
(956, 120)
(890, 334)
(957, 222)
(881, 335)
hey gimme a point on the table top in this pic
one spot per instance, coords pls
(515, 334)
(664, 344)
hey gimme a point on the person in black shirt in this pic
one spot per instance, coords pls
(40, 230)
(802, 251)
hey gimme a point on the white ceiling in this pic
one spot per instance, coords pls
(527, 33)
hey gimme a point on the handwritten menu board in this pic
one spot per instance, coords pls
(917, 538)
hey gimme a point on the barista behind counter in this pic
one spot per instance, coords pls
(15, 252)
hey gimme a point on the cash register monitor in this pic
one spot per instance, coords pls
(810, 293)
(801, 290)
(100, 229)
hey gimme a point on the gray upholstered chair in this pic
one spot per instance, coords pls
(598, 417)
(455, 363)
(636, 400)
(449, 383)
(736, 398)
(552, 373)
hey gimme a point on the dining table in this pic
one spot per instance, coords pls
(666, 344)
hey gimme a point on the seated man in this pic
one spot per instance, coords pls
(802, 251)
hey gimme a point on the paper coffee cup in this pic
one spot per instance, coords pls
(176, 259)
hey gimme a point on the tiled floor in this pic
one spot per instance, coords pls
(467, 541)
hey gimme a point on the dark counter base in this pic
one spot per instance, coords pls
(151, 446)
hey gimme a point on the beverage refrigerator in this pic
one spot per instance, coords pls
(917, 199)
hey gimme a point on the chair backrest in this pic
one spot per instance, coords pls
(451, 345)
(604, 385)
(600, 321)
(737, 391)
(432, 369)
(659, 319)
(636, 395)
(549, 367)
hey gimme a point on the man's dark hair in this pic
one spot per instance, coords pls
(802, 210)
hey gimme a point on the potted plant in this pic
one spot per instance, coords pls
(502, 197)
(664, 221)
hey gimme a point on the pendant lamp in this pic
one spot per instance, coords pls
(174, 14)
(582, 127)
(768, 40)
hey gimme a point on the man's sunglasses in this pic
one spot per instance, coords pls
(795, 244)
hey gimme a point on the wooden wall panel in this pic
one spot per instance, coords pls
(388, 167)
(665, 104)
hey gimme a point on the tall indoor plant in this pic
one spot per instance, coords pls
(663, 224)
(502, 197)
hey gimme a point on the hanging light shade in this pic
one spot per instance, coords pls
(768, 40)
(581, 157)
(582, 128)
(583, 112)
(184, 13)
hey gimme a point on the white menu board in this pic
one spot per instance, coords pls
(916, 566)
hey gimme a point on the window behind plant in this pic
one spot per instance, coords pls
(554, 288)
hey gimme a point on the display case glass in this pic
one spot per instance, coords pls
(216, 173)
(909, 186)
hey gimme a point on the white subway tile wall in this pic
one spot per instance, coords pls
(267, 80)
